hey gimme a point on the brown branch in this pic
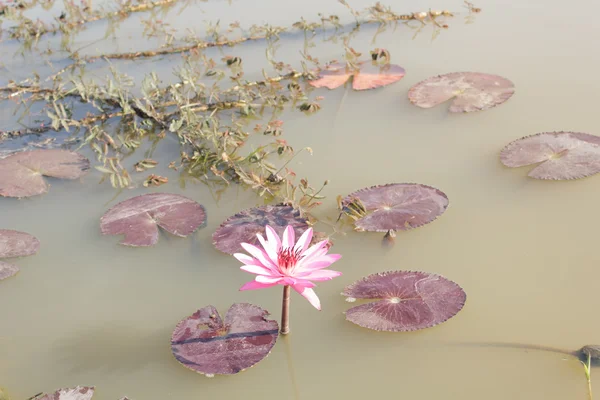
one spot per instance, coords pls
(175, 50)
(69, 122)
(123, 12)
(382, 16)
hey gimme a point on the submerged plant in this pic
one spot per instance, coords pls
(292, 265)
(588, 355)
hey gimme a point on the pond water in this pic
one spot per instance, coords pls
(87, 311)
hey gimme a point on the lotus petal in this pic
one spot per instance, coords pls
(21, 174)
(369, 76)
(15, 244)
(472, 91)
(398, 206)
(243, 226)
(409, 301)
(208, 345)
(559, 155)
(76, 393)
(138, 218)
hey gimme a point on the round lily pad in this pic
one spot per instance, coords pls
(471, 91)
(409, 301)
(397, 206)
(243, 226)
(138, 218)
(369, 76)
(76, 393)
(558, 155)
(15, 244)
(208, 345)
(22, 174)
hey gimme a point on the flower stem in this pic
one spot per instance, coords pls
(285, 311)
(588, 373)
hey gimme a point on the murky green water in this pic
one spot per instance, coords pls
(86, 311)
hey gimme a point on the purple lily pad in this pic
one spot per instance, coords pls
(76, 393)
(7, 270)
(369, 76)
(138, 218)
(471, 91)
(398, 206)
(15, 244)
(243, 226)
(22, 174)
(409, 301)
(558, 155)
(208, 345)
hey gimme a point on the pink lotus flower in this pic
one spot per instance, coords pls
(284, 263)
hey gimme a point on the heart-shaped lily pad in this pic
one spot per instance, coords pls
(138, 218)
(76, 393)
(22, 174)
(395, 206)
(558, 155)
(206, 344)
(409, 301)
(15, 244)
(370, 75)
(471, 91)
(243, 226)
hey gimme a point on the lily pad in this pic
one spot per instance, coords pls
(22, 174)
(138, 218)
(369, 76)
(395, 206)
(558, 155)
(7, 270)
(15, 244)
(471, 91)
(243, 226)
(409, 301)
(76, 393)
(206, 344)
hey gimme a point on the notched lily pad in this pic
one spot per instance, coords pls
(15, 244)
(558, 155)
(370, 75)
(206, 344)
(471, 91)
(76, 393)
(138, 218)
(409, 301)
(243, 226)
(22, 174)
(393, 207)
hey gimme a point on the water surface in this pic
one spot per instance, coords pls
(88, 311)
